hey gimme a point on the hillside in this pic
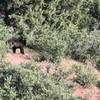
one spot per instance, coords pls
(49, 50)
(91, 93)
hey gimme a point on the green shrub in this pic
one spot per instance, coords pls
(5, 32)
(43, 56)
(81, 45)
(29, 83)
(56, 27)
(98, 64)
(3, 50)
(50, 42)
(85, 75)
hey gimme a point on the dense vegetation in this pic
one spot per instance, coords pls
(58, 27)
(28, 83)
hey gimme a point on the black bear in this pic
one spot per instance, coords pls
(17, 43)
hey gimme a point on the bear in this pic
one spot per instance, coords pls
(17, 43)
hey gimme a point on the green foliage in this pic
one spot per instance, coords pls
(49, 42)
(44, 56)
(7, 91)
(28, 82)
(3, 50)
(80, 45)
(85, 75)
(55, 26)
(2, 28)
(5, 32)
(98, 64)
(98, 2)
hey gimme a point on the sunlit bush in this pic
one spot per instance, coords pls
(85, 76)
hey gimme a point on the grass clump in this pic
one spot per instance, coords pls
(85, 75)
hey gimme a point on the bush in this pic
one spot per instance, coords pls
(44, 56)
(81, 45)
(85, 75)
(5, 32)
(98, 64)
(49, 42)
(3, 50)
(27, 82)
(59, 34)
